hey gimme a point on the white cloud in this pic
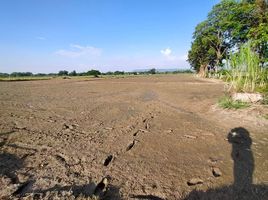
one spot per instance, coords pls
(166, 52)
(169, 56)
(40, 38)
(76, 50)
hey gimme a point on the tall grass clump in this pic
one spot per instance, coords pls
(245, 73)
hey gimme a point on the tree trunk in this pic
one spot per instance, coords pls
(219, 57)
(203, 70)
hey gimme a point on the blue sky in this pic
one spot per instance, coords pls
(51, 35)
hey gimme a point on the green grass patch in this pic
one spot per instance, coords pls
(226, 102)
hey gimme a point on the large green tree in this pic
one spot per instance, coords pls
(259, 30)
(212, 38)
(202, 53)
(229, 25)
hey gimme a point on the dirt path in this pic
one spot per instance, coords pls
(148, 135)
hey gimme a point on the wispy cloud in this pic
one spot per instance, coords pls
(76, 50)
(168, 54)
(40, 38)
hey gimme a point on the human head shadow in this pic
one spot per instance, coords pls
(242, 187)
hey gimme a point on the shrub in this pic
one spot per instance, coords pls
(73, 73)
(119, 73)
(152, 71)
(21, 74)
(93, 72)
(63, 73)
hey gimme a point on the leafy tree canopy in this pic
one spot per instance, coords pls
(63, 73)
(229, 25)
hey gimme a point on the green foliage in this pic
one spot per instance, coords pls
(259, 30)
(226, 102)
(63, 73)
(212, 38)
(93, 72)
(119, 73)
(2, 75)
(25, 78)
(40, 74)
(152, 71)
(246, 74)
(108, 73)
(73, 73)
(228, 26)
(21, 74)
(222, 74)
(115, 73)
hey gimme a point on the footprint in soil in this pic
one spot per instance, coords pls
(146, 123)
(140, 130)
(136, 133)
(62, 160)
(131, 145)
(108, 160)
(147, 126)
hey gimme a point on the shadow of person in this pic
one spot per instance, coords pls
(242, 187)
(86, 191)
(65, 191)
(242, 157)
(9, 164)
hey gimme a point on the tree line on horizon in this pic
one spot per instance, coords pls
(92, 72)
(229, 25)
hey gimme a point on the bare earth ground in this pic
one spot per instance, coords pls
(148, 135)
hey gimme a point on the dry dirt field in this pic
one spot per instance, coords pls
(149, 137)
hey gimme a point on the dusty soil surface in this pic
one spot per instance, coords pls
(154, 137)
